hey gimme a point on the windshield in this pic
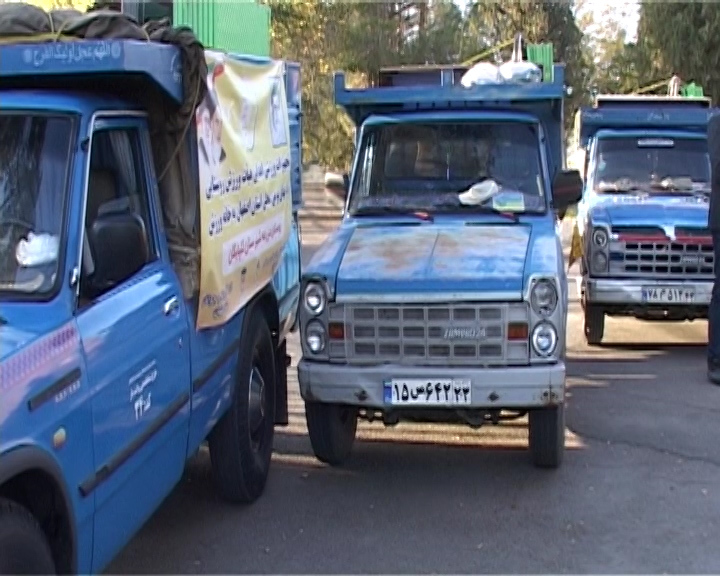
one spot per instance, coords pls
(34, 161)
(427, 167)
(644, 161)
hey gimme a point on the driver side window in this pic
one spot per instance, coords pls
(118, 229)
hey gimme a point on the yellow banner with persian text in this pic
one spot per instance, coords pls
(245, 199)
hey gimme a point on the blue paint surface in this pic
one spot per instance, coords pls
(659, 116)
(401, 256)
(124, 346)
(415, 258)
(658, 210)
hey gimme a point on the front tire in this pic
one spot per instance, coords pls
(241, 443)
(332, 429)
(546, 435)
(594, 325)
(24, 549)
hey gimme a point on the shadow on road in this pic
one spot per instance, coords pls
(654, 347)
(648, 395)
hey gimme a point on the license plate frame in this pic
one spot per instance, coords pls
(669, 294)
(427, 392)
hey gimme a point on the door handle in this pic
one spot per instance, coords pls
(171, 306)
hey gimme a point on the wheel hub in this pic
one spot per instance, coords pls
(256, 404)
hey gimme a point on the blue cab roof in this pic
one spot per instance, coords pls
(160, 63)
(29, 64)
(653, 116)
(361, 103)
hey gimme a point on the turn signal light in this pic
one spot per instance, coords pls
(336, 331)
(517, 331)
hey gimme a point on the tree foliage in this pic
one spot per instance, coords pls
(363, 37)
(672, 38)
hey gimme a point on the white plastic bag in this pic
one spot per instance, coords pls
(479, 193)
(37, 250)
(522, 71)
(481, 73)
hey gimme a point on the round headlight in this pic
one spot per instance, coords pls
(599, 261)
(314, 298)
(600, 238)
(544, 298)
(544, 339)
(315, 337)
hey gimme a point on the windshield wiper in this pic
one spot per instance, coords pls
(685, 185)
(478, 209)
(622, 186)
(391, 210)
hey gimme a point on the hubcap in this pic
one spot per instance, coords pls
(256, 406)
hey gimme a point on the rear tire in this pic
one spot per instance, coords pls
(332, 429)
(241, 443)
(24, 549)
(594, 324)
(546, 435)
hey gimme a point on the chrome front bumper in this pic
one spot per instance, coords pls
(492, 388)
(630, 292)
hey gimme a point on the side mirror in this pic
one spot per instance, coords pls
(119, 244)
(346, 183)
(567, 190)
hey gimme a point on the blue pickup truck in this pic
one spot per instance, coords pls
(442, 295)
(642, 221)
(106, 386)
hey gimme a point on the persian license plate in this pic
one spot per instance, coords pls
(668, 294)
(430, 392)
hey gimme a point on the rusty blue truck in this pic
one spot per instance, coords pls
(442, 295)
(107, 385)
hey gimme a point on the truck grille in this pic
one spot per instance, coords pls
(427, 334)
(648, 253)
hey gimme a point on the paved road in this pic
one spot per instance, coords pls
(638, 492)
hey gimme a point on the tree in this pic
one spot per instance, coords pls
(363, 37)
(682, 38)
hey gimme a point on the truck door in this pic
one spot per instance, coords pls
(134, 330)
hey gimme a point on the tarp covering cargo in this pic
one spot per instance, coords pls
(169, 123)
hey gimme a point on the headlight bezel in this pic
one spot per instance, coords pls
(316, 328)
(599, 250)
(547, 311)
(599, 262)
(599, 238)
(554, 337)
(318, 289)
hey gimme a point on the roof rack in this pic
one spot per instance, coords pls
(33, 64)
(441, 89)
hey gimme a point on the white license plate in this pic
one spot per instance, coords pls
(430, 392)
(668, 295)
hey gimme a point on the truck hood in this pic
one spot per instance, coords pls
(452, 258)
(654, 211)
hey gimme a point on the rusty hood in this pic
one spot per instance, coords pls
(452, 258)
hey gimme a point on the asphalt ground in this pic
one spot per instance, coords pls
(639, 491)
